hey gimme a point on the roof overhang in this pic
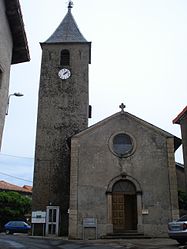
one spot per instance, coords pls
(179, 165)
(180, 116)
(177, 140)
(15, 19)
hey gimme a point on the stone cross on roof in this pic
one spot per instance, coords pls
(122, 106)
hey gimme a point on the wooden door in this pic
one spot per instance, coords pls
(130, 208)
(124, 212)
(118, 212)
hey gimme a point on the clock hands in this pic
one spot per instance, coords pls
(65, 72)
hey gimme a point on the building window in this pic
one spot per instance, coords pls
(65, 58)
(122, 144)
(124, 186)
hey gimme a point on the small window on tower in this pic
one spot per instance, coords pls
(65, 58)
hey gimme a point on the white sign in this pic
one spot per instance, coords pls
(89, 222)
(38, 217)
(145, 211)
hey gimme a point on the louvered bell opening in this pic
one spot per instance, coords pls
(65, 58)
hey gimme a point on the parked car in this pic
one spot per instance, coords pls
(177, 230)
(16, 227)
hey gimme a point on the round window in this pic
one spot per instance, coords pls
(122, 144)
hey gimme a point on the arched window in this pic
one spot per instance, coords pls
(124, 186)
(65, 58)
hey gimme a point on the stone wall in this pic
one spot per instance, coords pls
(180, 177)
(62, 112)
(183, 124)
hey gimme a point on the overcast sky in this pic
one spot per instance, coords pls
(139, 57)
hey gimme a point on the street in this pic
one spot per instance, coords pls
(29, 242)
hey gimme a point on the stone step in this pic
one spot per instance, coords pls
(127, 235)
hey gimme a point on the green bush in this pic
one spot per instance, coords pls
(182, 198)
(13, 206)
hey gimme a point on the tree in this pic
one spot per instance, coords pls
(182, 197)
(13, 206)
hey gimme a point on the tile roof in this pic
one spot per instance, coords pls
(8, 186)
(28, 187)
(180, 116)
(67, 31)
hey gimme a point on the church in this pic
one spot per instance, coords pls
(117, 176)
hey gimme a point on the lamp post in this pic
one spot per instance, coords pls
(12, 94)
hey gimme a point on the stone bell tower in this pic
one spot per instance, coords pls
(62, 112)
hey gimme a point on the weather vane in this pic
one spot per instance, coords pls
(70, 4)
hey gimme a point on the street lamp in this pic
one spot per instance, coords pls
(12, 94)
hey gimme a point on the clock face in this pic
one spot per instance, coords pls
(64, 73)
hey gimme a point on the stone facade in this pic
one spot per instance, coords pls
(181, 183)
(13, 49)
(95, 169)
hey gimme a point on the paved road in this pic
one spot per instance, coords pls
(26, 242)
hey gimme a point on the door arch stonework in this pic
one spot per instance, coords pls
(121, 188)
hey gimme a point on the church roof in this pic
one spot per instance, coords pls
(177, 141)
(67, 31)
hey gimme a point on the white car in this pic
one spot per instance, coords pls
(178, 230)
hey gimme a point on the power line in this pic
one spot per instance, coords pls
(16, 156)
(19, 178)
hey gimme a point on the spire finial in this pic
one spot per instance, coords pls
(70, 5)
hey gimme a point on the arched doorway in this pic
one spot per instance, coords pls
(124, 206)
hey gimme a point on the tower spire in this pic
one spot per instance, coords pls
(68, 30)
